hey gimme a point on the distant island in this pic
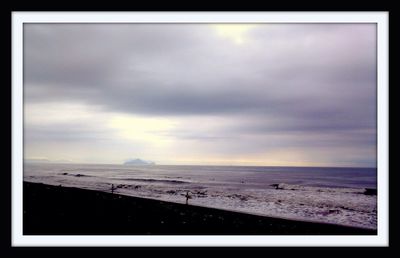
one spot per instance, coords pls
(135, 162)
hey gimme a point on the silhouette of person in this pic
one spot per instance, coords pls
(187, 197)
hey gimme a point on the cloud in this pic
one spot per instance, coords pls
(296, 80)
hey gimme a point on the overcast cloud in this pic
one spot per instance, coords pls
(278, 94)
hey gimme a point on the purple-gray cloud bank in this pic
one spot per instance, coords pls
(312, 84)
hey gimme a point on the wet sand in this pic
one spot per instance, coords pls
(57, 210)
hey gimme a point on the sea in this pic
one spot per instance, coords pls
(318, 194)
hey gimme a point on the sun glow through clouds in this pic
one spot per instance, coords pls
(235, 32)
(146, 130)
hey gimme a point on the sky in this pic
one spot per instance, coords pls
(202, 94)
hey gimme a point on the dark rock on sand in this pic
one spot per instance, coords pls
(277, 187)
(370, 191)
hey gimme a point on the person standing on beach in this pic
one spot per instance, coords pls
(187, 197)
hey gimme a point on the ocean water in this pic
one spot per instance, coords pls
(332, 195)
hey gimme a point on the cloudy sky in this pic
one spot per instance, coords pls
(259, 94)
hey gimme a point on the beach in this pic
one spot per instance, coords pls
(325, 195)
(59, 210)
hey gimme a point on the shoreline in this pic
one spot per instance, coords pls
(57, 210)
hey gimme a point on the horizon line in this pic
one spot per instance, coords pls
(211, 165)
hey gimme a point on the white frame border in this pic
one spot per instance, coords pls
(381, 18)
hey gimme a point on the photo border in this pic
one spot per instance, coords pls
(381, 18)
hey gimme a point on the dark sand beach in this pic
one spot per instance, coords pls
(57, 210)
